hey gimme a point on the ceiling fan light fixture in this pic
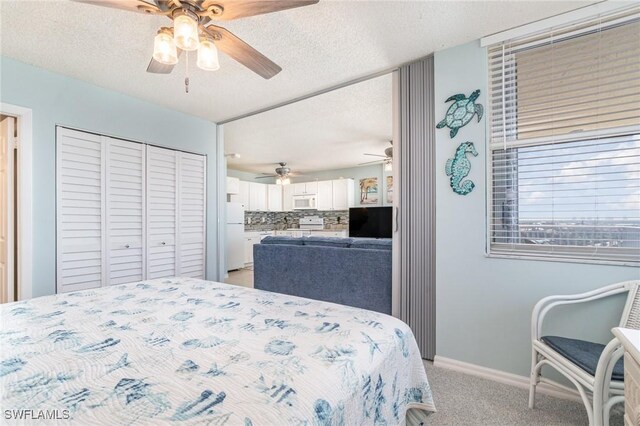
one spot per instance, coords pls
(388, 166)
(185, 30)
(164, 48)
(208, 55)
(283, 181)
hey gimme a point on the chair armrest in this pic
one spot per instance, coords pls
(543, 307)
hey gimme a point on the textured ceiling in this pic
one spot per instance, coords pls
(326, 132)
(317, 46)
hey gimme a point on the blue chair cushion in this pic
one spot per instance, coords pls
(372, 243)
(583, 354)
(327, 241)
(282, 240)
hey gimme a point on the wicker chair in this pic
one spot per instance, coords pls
(594, 369)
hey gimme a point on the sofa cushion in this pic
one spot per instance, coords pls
(281, 239)
(372, 243)
(583, 354)
(327, 241)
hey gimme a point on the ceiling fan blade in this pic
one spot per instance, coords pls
(240, 51)
(267, 177)
(371, 162)
(156, 67)
(140, 6)
(376, 155)
(234, 9)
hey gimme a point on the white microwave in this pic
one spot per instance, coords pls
(304, 202)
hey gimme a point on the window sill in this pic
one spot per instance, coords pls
(542, 258)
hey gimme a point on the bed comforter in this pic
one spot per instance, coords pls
(187, 351)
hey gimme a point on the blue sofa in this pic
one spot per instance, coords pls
(349, 271)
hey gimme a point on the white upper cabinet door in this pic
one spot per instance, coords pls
(233, 185)
(192, 219)
(311, 188)
(298, 188)
(325, 195)
(125, 211)
(80, 208)
(244, 194)
(287, 198)
(343, 194)
(162, 212)
(257, 196)
(275, 198)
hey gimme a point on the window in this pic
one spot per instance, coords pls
(564, 142)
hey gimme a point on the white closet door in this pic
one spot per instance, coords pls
(162, 212)
(80, 207)
(192, 217)
(125, 194)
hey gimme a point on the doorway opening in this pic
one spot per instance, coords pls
(9, 289)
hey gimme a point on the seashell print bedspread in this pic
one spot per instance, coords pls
(187, 351)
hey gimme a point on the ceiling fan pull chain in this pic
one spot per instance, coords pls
(186, 73)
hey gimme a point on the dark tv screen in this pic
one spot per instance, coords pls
(370, 222)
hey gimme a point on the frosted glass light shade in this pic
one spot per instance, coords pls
(185, 32)
(283, 181)
(208, 55)
(164, 49)
(388, 167)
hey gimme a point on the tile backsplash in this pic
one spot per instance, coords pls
(266, 221)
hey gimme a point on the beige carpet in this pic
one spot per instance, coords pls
(462, 399)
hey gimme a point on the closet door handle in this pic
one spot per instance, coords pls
(397, 220)
(127, 246)
(163, 243)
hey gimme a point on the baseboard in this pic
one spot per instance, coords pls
(556, 390)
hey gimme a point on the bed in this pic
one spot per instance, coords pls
(187, 351)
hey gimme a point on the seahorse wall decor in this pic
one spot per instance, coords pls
(459, 167)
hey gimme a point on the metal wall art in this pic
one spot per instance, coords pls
(461, 112)
(458, 167)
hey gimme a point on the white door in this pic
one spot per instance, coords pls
(298, 188)
(162, 212)
(324, 199)
(125, 211)
(80, 208)
(192, 171)
(7, 145)
(287, 198)
(311, 188)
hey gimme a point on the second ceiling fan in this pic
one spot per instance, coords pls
(193, 30)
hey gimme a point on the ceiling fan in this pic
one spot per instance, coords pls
(283, 175)
(193, 29)
(387, 158)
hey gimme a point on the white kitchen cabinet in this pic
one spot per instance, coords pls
(287, 198)
(257, 197)
(324, 197)
(252, 238)
(274, 198)
(305, 188)
(233, 185)
(244, 194)
(343, 194)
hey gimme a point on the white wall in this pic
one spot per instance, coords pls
(59, 100)
(484, 304)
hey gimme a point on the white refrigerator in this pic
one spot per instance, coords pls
(235, 236)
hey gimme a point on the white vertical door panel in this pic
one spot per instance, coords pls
(162, 212)
(325, 195)
(125, 214)
(6, 210)
(192, 215)
(287, 197)
(80, 210)
(274, 199)
(244, 194)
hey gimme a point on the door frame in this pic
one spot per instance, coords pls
(24, 219)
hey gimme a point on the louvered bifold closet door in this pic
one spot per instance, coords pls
(80, 206)
(125, 193)
(192, 219)
(162, 212)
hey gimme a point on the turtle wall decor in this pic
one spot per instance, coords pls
(461, 112)
(459, 167)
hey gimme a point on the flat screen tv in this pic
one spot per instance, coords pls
(370, 222)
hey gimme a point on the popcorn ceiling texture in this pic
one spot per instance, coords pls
(338, 220)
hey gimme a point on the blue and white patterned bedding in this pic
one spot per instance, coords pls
(186, 351)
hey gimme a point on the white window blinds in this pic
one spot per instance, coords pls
(565, 142)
